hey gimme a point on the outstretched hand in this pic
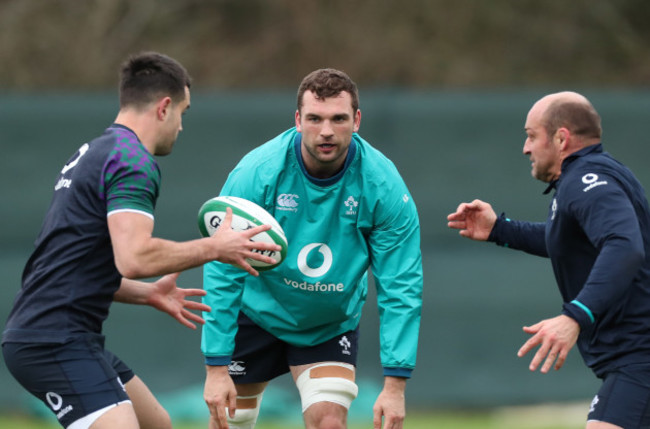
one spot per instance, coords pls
(555, 337)
(236, 246)
(475, 220)
(167, 297)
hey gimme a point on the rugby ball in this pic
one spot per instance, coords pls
(245, 215)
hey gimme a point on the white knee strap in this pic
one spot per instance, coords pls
(245, 418)
(327, 382)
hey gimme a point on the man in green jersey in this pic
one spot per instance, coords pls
(344, 209)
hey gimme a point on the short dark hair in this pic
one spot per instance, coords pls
(148, 75)
(579, 118)
(326, 83)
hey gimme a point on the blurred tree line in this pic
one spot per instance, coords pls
(79, 44)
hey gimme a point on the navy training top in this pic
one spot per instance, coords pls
(69, 281)
(597, 235)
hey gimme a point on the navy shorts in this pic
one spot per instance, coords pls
(624, 398)
(260, 356)
(73, 379)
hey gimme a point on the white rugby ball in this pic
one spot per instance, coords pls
(245, 215)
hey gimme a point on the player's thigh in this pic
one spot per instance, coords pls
(150, 414)
(324, 369)
(250, 389)
(326, 392)
(326, 373)
(258, 356)
(121, 416)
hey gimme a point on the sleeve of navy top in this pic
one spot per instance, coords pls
(609, 220)
(526, 236)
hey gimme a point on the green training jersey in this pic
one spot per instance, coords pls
(337, 228)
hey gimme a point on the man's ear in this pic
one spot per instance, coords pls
(357, 121)
(562, 136)
(298, 121)
(162, 108)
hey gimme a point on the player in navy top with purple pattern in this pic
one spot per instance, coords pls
(96, 238)
(597, 236)
(111, 173)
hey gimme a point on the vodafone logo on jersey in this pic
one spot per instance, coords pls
(592, 181)
(321, 270)
(316, 270)
(55, 402)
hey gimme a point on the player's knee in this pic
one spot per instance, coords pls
(330, 422)
(248, 408)
(328, 382)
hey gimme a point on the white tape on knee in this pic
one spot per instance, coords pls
(245, 418)
(315, 388)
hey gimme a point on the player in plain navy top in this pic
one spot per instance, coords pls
(96, 238)
(597, 236)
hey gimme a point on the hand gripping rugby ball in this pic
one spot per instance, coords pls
(245, 215)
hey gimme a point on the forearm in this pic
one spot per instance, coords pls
(224, 287)
(399, 325)
(156, 257)
(133, 292)
(138, 254)
(526, 236)
(611, 277)
(399, 282)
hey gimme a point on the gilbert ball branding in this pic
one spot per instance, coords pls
(245, 215)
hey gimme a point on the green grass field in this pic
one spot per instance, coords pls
(545, 417)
